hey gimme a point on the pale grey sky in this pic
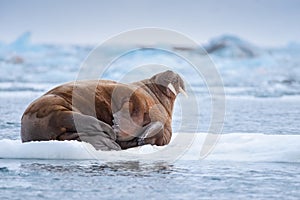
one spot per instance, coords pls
(263, 22)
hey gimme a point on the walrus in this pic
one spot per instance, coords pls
(107, 114)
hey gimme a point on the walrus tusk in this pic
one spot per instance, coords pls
(183, 92)
(171, 87)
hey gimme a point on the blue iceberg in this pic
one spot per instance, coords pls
(232, 46)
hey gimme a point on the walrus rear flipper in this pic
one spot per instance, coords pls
(89, 129)
(100, 141)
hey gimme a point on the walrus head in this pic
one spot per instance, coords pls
(148, 109)
(170, 83)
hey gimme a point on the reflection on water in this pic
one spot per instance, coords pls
(128, 168)
(45, 179)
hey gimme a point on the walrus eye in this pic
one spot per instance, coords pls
(171, 87)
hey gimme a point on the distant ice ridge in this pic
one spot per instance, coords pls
(232, 46)
(265, 72)
(253, 70)
(231, 147)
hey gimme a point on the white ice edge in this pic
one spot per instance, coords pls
(252, 147)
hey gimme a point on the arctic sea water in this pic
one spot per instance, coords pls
(257, 156)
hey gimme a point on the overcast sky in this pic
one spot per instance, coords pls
(263, 22)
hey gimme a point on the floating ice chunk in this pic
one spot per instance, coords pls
(248, 147)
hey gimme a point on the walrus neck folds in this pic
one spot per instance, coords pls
(158, 92)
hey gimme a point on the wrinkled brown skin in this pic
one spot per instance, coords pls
(87, 110)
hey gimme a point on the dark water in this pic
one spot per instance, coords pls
(34, 179)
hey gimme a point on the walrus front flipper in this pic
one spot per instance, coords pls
(91, 130)
(150, 134)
